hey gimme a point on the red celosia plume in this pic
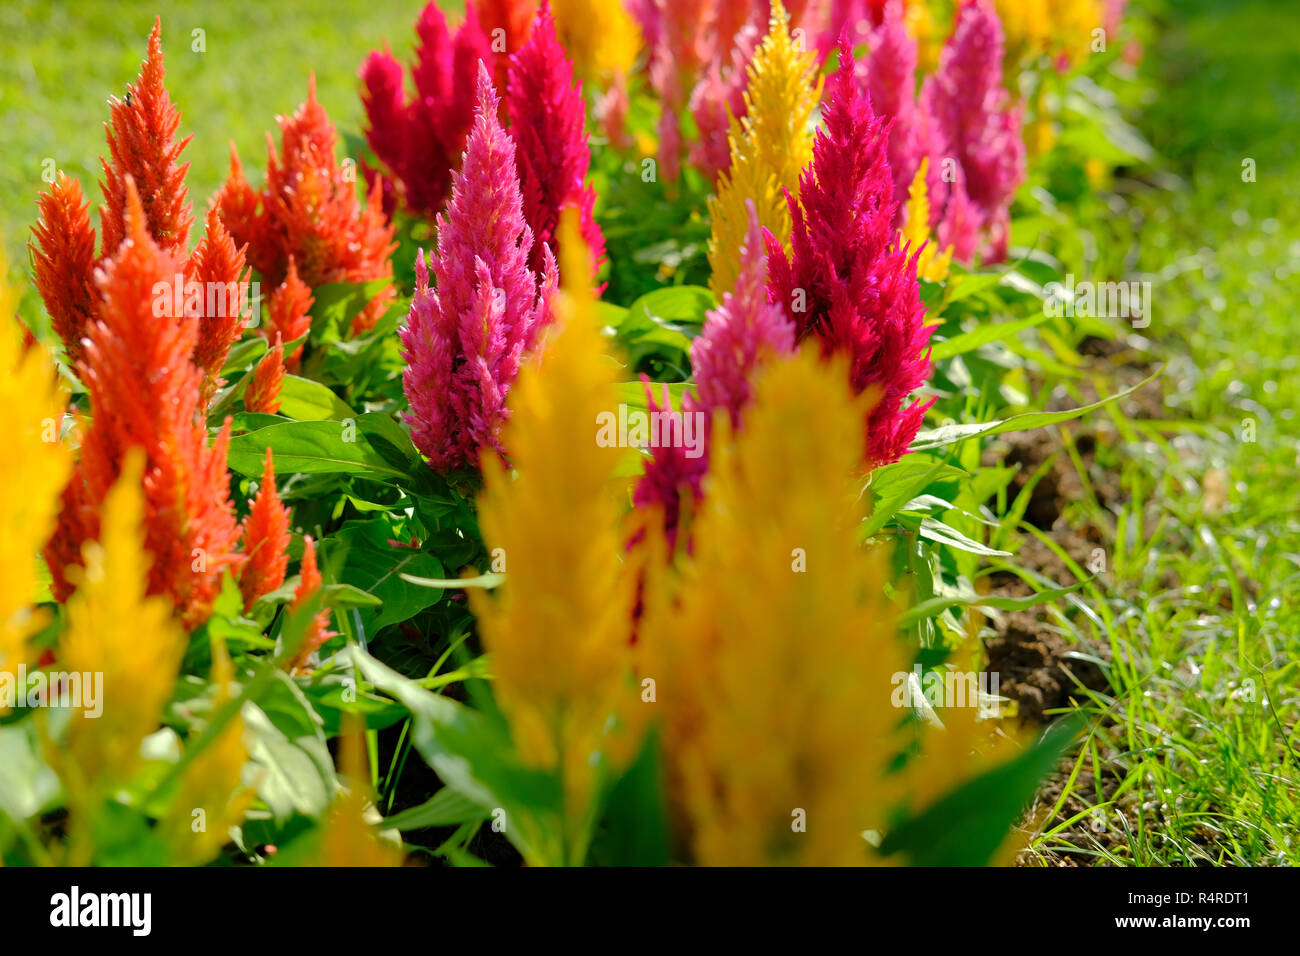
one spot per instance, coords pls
(846, 282)
(318, 631)
(63, 258)
(289, 314)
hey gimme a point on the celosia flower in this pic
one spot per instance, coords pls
(600, 36)
(29, 489)
(218, 267)
(463, 340)
(977, 125)
(775, 649)
(142, 144)
(514, 21)
(347, 839)
(144, 391)
(769, 148)
(212, 783)
(889, 78)
(309, 214)
(143, 148)
(262, 393)
(557, 628)
(743, 331)
(916, 231)
(419, 139)
(266, 540)
(289, 314)
(547, 114)
(118, 628)
(846, 281)
(309, 586)
(63, 260)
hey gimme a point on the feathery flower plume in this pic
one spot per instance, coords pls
(63, 259)
(143, 146)
(822, 644)
(557, 629)
(916, 230)
(212, 782)
(976, 122)
(309, 213)
(769, 148)
(463, 340)
(514, 20)
(419, 139)
(266, 540)
(218, 267)
(119, 628)
(289, 314)
(547, 113)
(262, 394)
(309, 585)
(144, 391)
(888, 76)
(846, 281)
(742, 332)
(346, 839)
(29, 493)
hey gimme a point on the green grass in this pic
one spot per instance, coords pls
(1197, 760)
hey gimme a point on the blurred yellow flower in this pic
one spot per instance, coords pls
(600, 36)
(916, 229)
(116, 631)
(775, 651)
(1033, 28)
(347, 839)
(770, 146)
(211, 798)
(30, 488)
(558, 628)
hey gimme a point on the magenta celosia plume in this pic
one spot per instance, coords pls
(738, 335)
(464, 336)
(419, 139)
(846, 281)
(977, 125)
(547, 115)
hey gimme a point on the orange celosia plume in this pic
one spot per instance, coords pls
(266, 539)
(309, 213)
(289, 313)
(142, 143)
(263, 391)
(63, 260)
(143, 149)
(309, 585)
(144, 391)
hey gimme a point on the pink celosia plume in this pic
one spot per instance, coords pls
(464, 336)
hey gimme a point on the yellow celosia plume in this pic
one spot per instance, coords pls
(30, 488)
(1054, 27)
(115, 630)
(770, 146)
(600, 36)
(775, 649)
(212, 798)
(347, 839)
(557, 629)
(916, 229)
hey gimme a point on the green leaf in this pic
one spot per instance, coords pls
(950, 434)
(337, 304)
(488, 581)
(308, 401)
(966, 827)
(895, 485)
(289, 745)
(373, 566)
(936, 606)
(445, 808)
(935, 530)
(309, 448)
(984, 334)
(636, 821)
